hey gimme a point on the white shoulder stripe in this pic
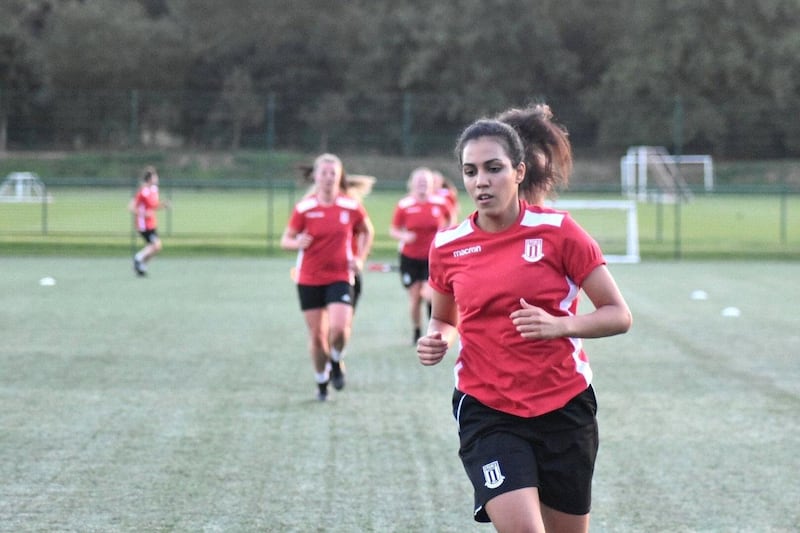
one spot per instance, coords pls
(347, 203)
(407, 201)
(307, 204)
(532, 219)
(449, 235)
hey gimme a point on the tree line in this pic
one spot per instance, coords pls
(711, 76)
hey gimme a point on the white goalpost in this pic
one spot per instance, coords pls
(24, 187)
(631, 225)
(645, 169)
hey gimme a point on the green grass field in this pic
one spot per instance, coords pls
(236, 221)
(185, 402)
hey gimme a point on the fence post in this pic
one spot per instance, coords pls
(677, 126)
(169, 211)
(407, 144)
(784, 213)
(270, 121)
(134, 185)
(660, 217)
(677, 228)
(133, 129)
(3, 122)
(44, 211)
(270, 212)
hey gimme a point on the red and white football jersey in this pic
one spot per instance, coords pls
(424, 218)
(451, 201)
(544, 257)
(327, 259)
(146, 204)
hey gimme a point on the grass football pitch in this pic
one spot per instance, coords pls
(185, 402)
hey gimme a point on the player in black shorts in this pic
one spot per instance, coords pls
(414, 271)
(553, 453)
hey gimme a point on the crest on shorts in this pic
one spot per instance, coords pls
(492, 474)
(533, 250)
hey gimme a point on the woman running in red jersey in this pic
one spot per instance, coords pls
(506, 282)
(417, 217)
(321, 228)
(144, 206)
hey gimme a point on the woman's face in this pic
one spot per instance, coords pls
(492, 182)
(327, 176)
(421, 183)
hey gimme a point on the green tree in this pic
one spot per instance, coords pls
(733, 64)
(21, 62)
(290, 48)
(480, 56)
(101, 51)
(455, 61)
(390, 69)
(324, 115)
(238, 105)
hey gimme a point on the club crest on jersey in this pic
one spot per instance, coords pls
(492, 475)
(344, 217)
(533, 250)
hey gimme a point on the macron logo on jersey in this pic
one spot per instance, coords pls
(450, 235)
(467, 251)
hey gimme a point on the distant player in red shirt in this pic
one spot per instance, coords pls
(506, 282)
(447, 189)
(143, 206)
(321, 228)
(356, 186)
(417, 217)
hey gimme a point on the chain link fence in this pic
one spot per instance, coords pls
(393, 123)
(248, 217)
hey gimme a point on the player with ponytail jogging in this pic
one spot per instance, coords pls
(321, 228)
(506, 282)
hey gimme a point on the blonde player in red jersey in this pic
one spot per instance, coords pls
(356, 186)
(143, 206)
(506, 282)
(416, 219)
(321, 228)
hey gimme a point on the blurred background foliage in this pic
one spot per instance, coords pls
(398, 78)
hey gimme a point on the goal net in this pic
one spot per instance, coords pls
(651, 173)
(23, 187)
(613, 224)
